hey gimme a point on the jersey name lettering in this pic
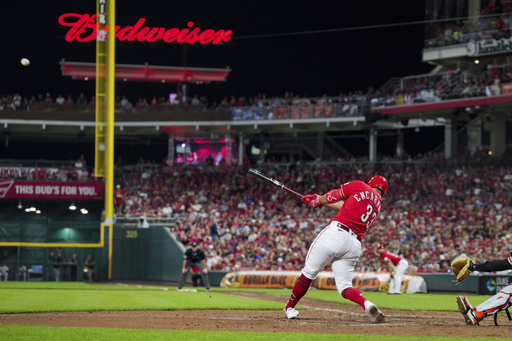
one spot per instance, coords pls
(366, 195)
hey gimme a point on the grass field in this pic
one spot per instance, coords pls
(28, 297)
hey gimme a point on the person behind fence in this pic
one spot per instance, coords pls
(4, 272)
(22, 272)
(56, 258)
(194, 256)
(90, 263)
(73, 267)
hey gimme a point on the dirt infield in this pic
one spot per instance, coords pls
(320, 317)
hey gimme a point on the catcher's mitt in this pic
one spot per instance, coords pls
(462, 267)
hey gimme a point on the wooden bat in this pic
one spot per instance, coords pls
(266, 178)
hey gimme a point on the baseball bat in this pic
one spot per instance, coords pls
(266, 178)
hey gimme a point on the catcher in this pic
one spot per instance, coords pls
(462, 267)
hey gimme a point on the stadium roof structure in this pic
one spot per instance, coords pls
(147, 73)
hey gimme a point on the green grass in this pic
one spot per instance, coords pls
(31, 333)
(23, 297)
(52, 297)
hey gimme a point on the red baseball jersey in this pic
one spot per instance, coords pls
(361, 208)
(388, 256)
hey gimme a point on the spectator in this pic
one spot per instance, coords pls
(16, 101)
(214, 232)
(60, 100)
(167, 210)
(118, 198)
(81, 100)
(48, 99)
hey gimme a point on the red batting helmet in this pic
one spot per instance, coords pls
(379, 182)
(380, 246)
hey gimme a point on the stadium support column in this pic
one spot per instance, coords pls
(497, 129)
(474, 135)
(399, 143)
(241, 149)
(229, 149)
(449, 138)
(373, 144)
(474, 11)
(171, 149)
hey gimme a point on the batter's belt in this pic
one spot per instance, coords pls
(341, 226)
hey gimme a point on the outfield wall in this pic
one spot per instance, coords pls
(153, 254)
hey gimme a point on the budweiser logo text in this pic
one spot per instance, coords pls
(84, 28)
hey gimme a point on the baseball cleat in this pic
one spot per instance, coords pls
(468, 311)
(376, 316)
(291, 313)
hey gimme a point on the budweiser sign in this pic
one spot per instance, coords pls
(84, 28)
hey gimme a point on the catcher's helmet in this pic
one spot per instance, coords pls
(379, 182)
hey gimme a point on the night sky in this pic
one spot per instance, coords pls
(267, 54)
(308, 48)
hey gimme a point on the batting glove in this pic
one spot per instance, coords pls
(312, 200)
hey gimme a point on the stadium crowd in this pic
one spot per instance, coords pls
(430, 215)
(494, 80)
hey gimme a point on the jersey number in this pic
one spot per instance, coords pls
(365, 218)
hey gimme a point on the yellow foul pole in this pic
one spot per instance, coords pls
(105, 104)
(109, 155)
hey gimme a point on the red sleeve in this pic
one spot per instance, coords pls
(348, 188)
(333, 196)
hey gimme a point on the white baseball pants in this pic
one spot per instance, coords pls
(337, 247)
(395, 282)
(500, 301)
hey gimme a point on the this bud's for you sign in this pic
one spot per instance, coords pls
(51, 190)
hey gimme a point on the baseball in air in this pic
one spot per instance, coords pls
(25, 62)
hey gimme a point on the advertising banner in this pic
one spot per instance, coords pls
(12, 189)
(365, 281)
(490, 285)
(507, 88)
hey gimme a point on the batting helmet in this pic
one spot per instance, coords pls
(380, 246)
(379, 182)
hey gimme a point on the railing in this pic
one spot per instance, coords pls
(297, 111)
(142, 221)
(408, 90)
(37, 163)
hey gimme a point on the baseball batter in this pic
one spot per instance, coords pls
(357, 205)
(501, 301)
(396, 265)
